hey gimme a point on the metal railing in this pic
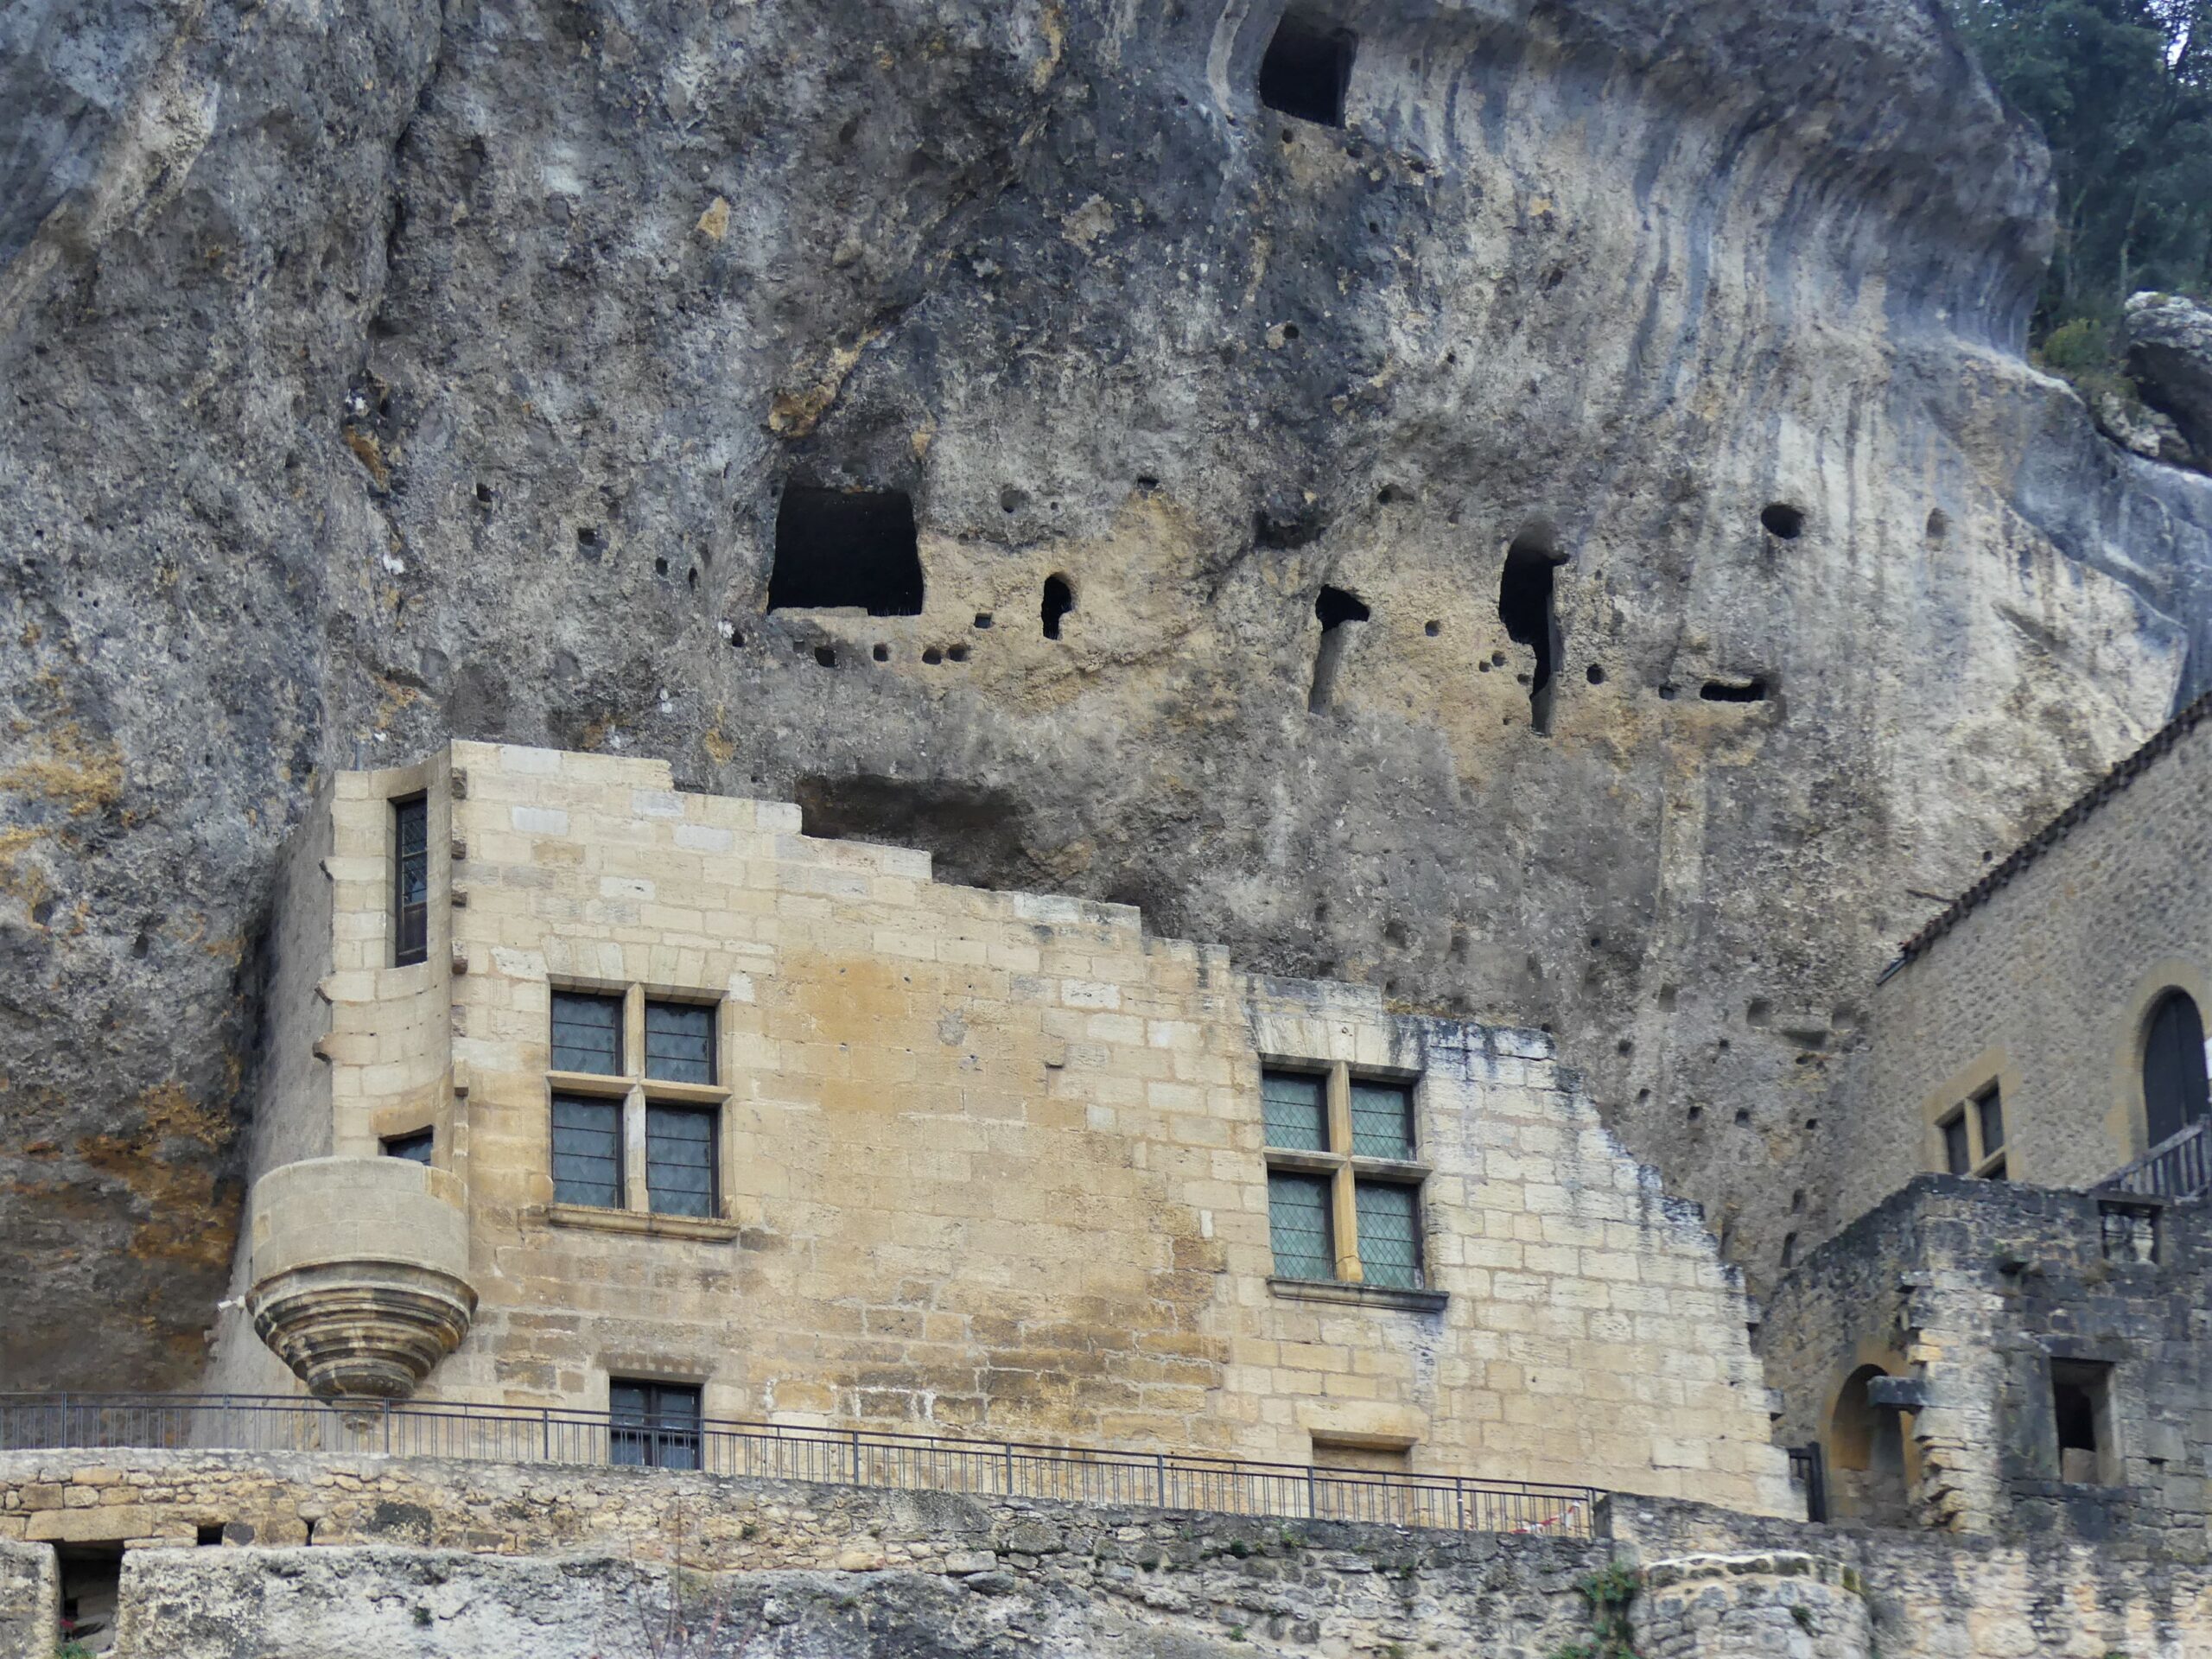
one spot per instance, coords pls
(278, 1423)
(2179, 1166)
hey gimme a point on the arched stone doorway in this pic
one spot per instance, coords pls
(1868, 1454)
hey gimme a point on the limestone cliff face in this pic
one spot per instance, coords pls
(377, 369)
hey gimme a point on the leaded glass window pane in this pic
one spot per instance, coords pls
(587, 1033)
(1382, 1120)
(587, 1151)
(410, 895)
(680, 1042)
(1297, 1222)
(653, 1424)
(1296, 1105)
(680, 1160)
(1389, 1235)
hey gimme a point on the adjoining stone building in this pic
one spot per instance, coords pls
(586, 1092)
(2048, 1026)
(2007, 1335)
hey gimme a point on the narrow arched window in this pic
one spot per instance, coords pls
(2174, 1090)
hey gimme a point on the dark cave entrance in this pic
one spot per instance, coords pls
(838, 549)
(1335, 608)
(1307, 70)
(1525, 605)
(1059, 599)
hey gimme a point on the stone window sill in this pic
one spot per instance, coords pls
(713, 1230)
(1331, 1290)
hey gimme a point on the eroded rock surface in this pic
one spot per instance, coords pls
(378, 370)
(2169, 355)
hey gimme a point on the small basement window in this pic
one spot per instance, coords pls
(655, 1424)
(1307, 70)
(838, 549)
(2080, 1398)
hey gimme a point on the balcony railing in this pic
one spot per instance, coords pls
(2179, 1166)
(776, 1451)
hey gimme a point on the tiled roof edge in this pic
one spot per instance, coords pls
(2124, 773)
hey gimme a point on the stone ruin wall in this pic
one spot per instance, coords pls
(411, 1560)
(421, 370)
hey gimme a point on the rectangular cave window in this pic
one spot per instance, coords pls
(680, 1042)
(587, 1151)
(1306, 70)
(91, 1594)
(411, 885)
(586, 1032)
(680, 1160)
(2080, 1398)
(415, 1146)
(846, 548)
(653, 1424)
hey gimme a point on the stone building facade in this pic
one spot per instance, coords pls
(2017, 1032)
(855, 1148)
(1988, 1357)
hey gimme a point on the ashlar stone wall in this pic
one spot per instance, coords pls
(993, 1163)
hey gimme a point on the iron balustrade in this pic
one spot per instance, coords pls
(1171, 1480)
(2179, 1166)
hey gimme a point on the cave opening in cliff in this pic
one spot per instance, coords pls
(1335, 608)
(839, 548)
(1307, 69)
(1059, 599)
(1525, 596)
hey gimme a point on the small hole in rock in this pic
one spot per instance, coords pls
(1306, 70)
(1743, 1114)
(1147, 482)
(958, 653)
(1335, 607)
(1059, 599)
(1013, 500)
(1695, 1112)
(208, 1534)
(1434, 629)
(1594, 674)
(983, 618)
(735, 640)
(1290, 331)
(1482, 667)
(1525, 595)
(660, 567)
(483, 495)
(691, 577)
(1751, 690)
(43, 912)
(882, 653)
(1783, 520)
(1797, 1202)
(825, 656)
(1939, 524)
(932, 655)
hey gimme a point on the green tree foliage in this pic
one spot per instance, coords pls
(2122, 90)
